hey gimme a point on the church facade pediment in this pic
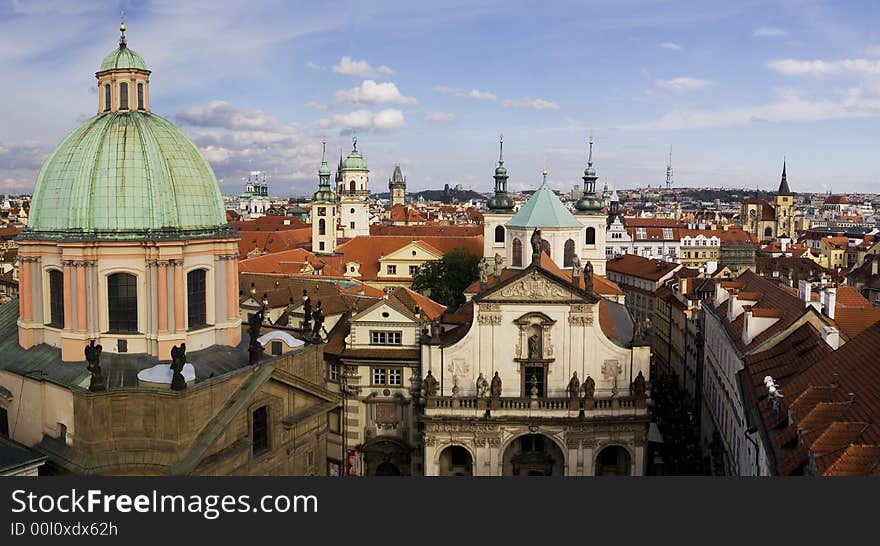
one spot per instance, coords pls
(534, 285)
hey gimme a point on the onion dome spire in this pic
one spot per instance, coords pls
(501, 201)
(590, 203)
(325, 193)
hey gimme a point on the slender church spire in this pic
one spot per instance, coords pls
(501, 201)
(783, 184)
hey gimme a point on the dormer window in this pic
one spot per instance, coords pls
(123, 96)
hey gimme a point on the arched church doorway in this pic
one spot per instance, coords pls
(456, 461)
(533, 455)
(387, 469)
(613, 461)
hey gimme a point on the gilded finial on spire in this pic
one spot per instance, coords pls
(544, 172)
(590, 157)
(354, 141)
(122, 28)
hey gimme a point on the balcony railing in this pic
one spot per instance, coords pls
(506, 404)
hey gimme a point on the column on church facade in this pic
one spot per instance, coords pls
(24, 289)
(179, 294)
(162, 299)
(231, 285)
(68, 300)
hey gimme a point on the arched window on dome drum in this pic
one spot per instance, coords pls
(517, 253)
(123, 96)
(322, 227)
(56, 299)
(591, 236)
(140, 91)
(122, 303)
(352, 186)
(107, 97)
(499, 234)
(196, 295)
(568, 256)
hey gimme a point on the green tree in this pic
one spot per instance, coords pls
(446, 279)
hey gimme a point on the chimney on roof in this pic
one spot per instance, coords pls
(805, 291)
(875, 261)
(829, 301)
(831, 336)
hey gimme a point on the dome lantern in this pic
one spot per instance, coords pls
(123, 79)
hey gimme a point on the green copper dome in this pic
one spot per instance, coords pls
(354, 161)
(124, 176)
(122, 58)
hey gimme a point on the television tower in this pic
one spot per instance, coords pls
(669, 171)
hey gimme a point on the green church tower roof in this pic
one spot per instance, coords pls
(544, 210)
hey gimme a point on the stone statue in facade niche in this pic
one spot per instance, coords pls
(482, 386)
(495, 388)
(455, 387)
(589, 387)
(430, 384)
(574, 386)
(535, 346)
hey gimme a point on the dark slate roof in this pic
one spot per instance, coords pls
(120, 370)
(14, 455)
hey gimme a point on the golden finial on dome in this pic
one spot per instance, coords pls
(122, 28)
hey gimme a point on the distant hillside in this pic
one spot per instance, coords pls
(448, 195)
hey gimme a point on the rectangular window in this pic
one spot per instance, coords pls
(260, 430)
(56, 299)
(387, 376)
(321, 245)
(533, 376)
(333, 372)
(122, 302)
(351, 225)
(4, 423)
(413, 270)
(334, 421)
(196, 298)
(391, 269)
(140, 92)
(107, 99)
(381, 337)
(123, 96)
(276, 348)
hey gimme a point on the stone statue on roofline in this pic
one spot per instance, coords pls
(93, 356)
(495, 388)
(536, 246)
(178, 359)
(639, 386)
(482, 386)
(307, 310)
(255, 322)
(574, 386)
(484, 269)
(318, 315)
(589, 387)
(499, 266)
(430, 384)
(588, 276)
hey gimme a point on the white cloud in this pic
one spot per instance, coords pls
(482, 95)
(370, 92)
(790, 108)
(769, 32)
(670, 45)
(683, 83)
(220, 113)
(818, 68)
(440, 116)
(390, 119)
(534, 104)
(472, 94)
(312, 105)
(872, 50)
(360, 69)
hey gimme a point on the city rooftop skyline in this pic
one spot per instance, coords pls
(731, 88)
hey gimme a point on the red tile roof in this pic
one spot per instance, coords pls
(366, 250)
(428, 230)
(273, 241)
(636, 266)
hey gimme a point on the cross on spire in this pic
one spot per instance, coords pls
(122, 42)
(354, 141)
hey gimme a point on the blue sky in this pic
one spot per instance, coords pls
(732, 87)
